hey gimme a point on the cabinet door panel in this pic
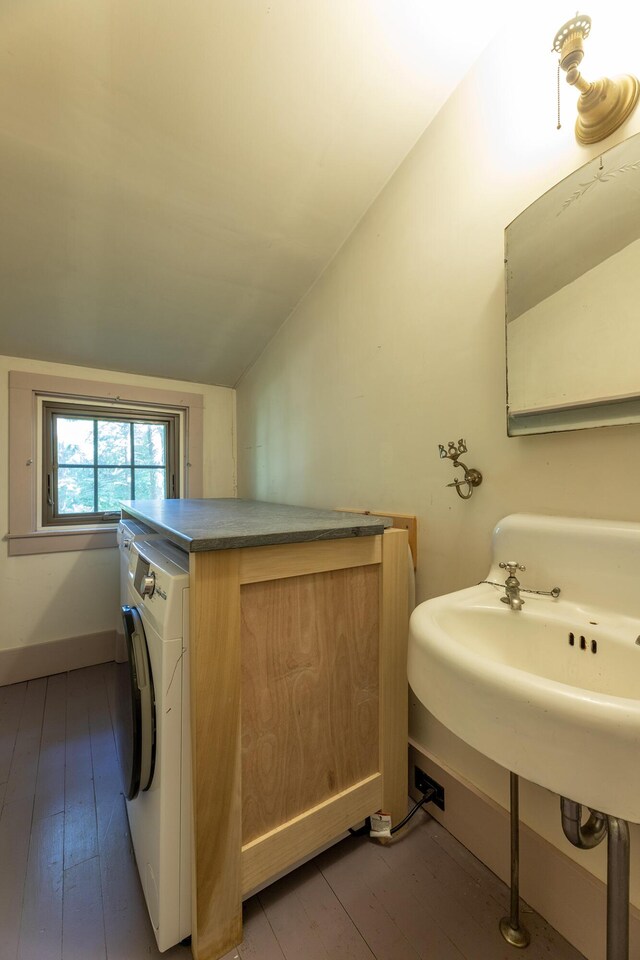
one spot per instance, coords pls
(310, 678)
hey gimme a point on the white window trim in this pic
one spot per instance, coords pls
(26, 534)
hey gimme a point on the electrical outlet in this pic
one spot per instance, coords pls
(423, 782)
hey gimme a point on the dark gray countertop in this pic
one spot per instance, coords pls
(227, 523)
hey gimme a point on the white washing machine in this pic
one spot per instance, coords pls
(153, 731)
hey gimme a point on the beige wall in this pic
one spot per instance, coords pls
(400, 346)
(55, 596)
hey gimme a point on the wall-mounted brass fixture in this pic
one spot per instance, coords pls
(472, 477)
(604, 104)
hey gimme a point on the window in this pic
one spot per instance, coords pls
(165, 455)
(95, 457)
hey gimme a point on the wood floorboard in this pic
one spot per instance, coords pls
(41, 928)
(106, 774)
(260, 942)
(49, 791)
(82, 921)
(292, 927)
(69, 886)
(21, 783)
(15, 829)
(307, 918)
(365, 899)
(362, 865)
(11, 704)
(340, 935)
(80, 828)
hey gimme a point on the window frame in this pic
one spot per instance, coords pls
(54, 408)
(27, 392)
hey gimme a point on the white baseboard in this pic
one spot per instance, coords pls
(569, 897)
(56, 656)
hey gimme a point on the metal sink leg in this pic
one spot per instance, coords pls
(618, 889)
(510, 927)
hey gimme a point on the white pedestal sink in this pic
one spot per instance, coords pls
(552, 691)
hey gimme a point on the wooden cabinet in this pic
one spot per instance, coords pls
(299, 710)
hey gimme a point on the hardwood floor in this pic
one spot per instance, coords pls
(69, 887)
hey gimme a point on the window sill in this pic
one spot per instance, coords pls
(61, 541)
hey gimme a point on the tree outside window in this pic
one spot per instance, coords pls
(96, 458)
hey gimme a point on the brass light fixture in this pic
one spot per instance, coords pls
(604, 104)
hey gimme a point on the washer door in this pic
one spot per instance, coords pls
(135, 709)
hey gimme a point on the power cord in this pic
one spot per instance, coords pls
(426, 797)
(365, 829)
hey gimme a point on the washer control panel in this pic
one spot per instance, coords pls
(158, 573)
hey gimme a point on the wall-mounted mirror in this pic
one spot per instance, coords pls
(573, 300)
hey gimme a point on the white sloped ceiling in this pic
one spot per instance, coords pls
(175, 175)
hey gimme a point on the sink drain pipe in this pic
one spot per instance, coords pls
(585, 837)
(588, 835)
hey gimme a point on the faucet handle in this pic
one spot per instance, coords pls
(511, 566)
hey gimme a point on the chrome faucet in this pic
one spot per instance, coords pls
(513, 588)
(512, 585)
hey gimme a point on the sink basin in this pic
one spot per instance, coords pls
(551, 692)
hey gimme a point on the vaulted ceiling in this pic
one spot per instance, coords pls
(174, 176)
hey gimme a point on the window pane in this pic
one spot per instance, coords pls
(150, 484)
(75, 440)
(75, 490)
(114, 485)
(114, 442)
(148, 442)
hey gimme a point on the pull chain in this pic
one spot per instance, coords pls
(559, 124)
